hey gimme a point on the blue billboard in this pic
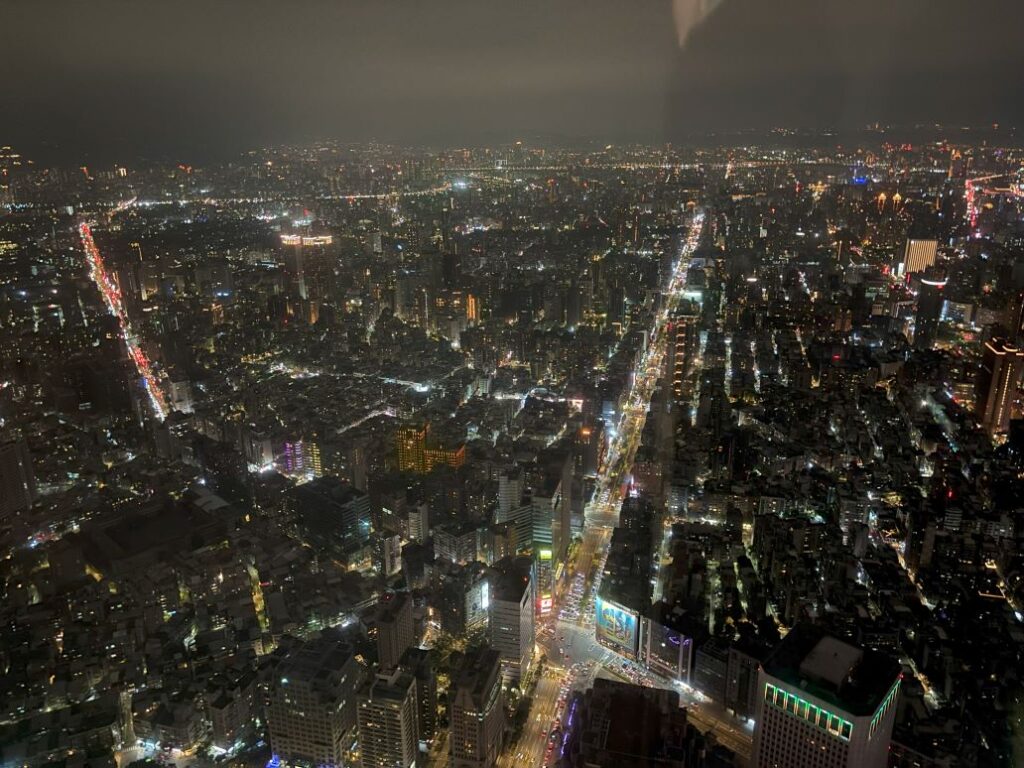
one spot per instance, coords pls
(616, 627)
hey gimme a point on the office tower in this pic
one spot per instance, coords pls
(17, 480)
(311, 705)
(511, 484)
(419, 662)
(918, 255)
(823, 702)
(996, 386)
(477, 715)
(511, 615)
(387, 721)
(395, 628)
(929, 309)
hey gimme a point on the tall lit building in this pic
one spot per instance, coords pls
(411, 441)
(447, 456)
(419, 662)
(825, 703)
(301, 457)
(930, 296)
(419, 523)
(996, 388)
(308, 262)
(918, 255)
(387, 721)
(511, 615)
(1015, 319)
(477, 715)
(683, 344)
(419, 454)
(473, 308)
(293, 266)
(17, 480)
(395, 629)
(311, 708)
(511, 484)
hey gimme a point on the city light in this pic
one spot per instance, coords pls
(112, 296)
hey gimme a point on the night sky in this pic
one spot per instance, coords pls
(115, 79)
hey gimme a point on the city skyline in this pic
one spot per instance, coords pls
(196, 81)
(477, 384)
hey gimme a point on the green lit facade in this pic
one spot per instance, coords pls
(887, 702)
(811, 713)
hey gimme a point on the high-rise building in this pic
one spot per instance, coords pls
(388, 554)
(511, 484)
(456, 542)
(465, 599)
(419, 454)
(823, 702)
(511, 615)
(683, 344)
(918, 255)
(1015, 319)
(996, 387)
(930, 296)
(419, 523)
(477, 715)
(552, 522)
(332, 513)
(17, 480)
(667, 641)
(293, 266)
(411, 440)
(520, 523)
(619, 725)
(419, 662)
(745, 659)
(395, 628)
(311, 707)
(386, 715)
(473, 308)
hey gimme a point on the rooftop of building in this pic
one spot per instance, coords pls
(510, 578)
(329, 489)
(393, 686)
(477, 672)
(637, 724)
(391, 605)
(853, 679)
(311, 661)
